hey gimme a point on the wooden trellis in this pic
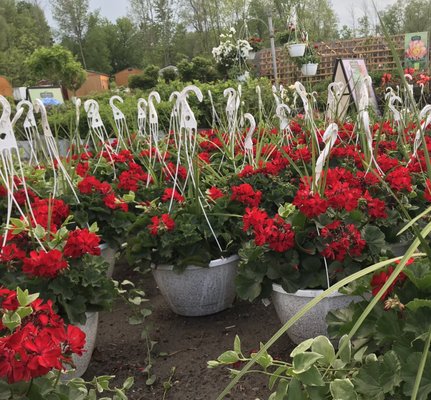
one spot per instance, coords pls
(374, 50)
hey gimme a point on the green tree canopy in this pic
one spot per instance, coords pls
(58, 65)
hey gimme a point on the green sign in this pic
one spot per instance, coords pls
(416, 54)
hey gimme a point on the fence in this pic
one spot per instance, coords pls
(374, 50)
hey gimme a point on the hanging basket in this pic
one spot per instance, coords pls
(296, 50)
(309, 69)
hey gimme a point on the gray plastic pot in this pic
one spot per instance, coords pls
(313, 323)
(82, 362)
(198, 291)
(108, 253)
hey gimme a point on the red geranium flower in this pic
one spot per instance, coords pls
(45, 264)
(80, 242)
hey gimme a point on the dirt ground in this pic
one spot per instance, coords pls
(183, 343)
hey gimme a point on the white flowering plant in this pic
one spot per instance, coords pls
(231, 51)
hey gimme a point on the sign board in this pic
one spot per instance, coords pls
(50, 95)
(416, 51)
(352, 73)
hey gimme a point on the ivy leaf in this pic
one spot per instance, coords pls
(322, 345)
(294, 391)
(343, 389)
(311, 377)
(228, 357)
(376, 378)
(302, 362)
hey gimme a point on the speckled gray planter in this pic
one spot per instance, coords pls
(313, 323)
(198, 291)
(108, 253)
(82, 362)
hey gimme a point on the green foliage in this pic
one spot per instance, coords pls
(147, 80)
(58, 65)
(316, 372)
(23, 28)
(199, 68)
(50, 386)
(169, 74)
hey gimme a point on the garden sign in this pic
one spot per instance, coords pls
(353, 74)
(416, 51)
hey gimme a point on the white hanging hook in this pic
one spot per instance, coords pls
(248, 142)
(39, 107)
(152, 109)
(188, 119)
(283, 111)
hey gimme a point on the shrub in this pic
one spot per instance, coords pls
(147, 80)
(169, 74)
(200, 69)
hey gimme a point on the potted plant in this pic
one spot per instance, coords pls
(313, 240)
(37, 347)
(308, 62)
(191, 248)
(294, 40)
(63, 265)
(256, 44)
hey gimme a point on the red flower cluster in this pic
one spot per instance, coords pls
(52, 211)
(170, 193)
(39, 344)
(341, 240)
(160, 224)
(171, 169)
(80, 242)
(91, 185)
(214, 193)
(44, 263)
(245, 194)
(380, 278)
(131, 179)
(274, 232)
(311, 205)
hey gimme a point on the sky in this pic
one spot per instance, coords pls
(112, 9)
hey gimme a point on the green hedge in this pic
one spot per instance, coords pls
(63, 118)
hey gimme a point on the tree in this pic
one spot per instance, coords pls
(72, 17)
(58, 65)
(417, 16)
(23, 28)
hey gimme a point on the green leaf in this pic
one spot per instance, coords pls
(419, 273)
(128, 383)
(39, 232)
(311, 377)
(418, 303)
(276, 375)
(409, 371)
(302, 362)
(304, 346)
(345, 346)
(322, 345)
(342, 389)
(374, 237)
(228, 357)
(376, 378)
(281, 392)
(294, 391)
(237, 344)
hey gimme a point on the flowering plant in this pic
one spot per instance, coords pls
(36, 346)
(186, 234)
(66, 269)
(231, 51)
(255, 42)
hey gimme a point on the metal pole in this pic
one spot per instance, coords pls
(273, 54)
